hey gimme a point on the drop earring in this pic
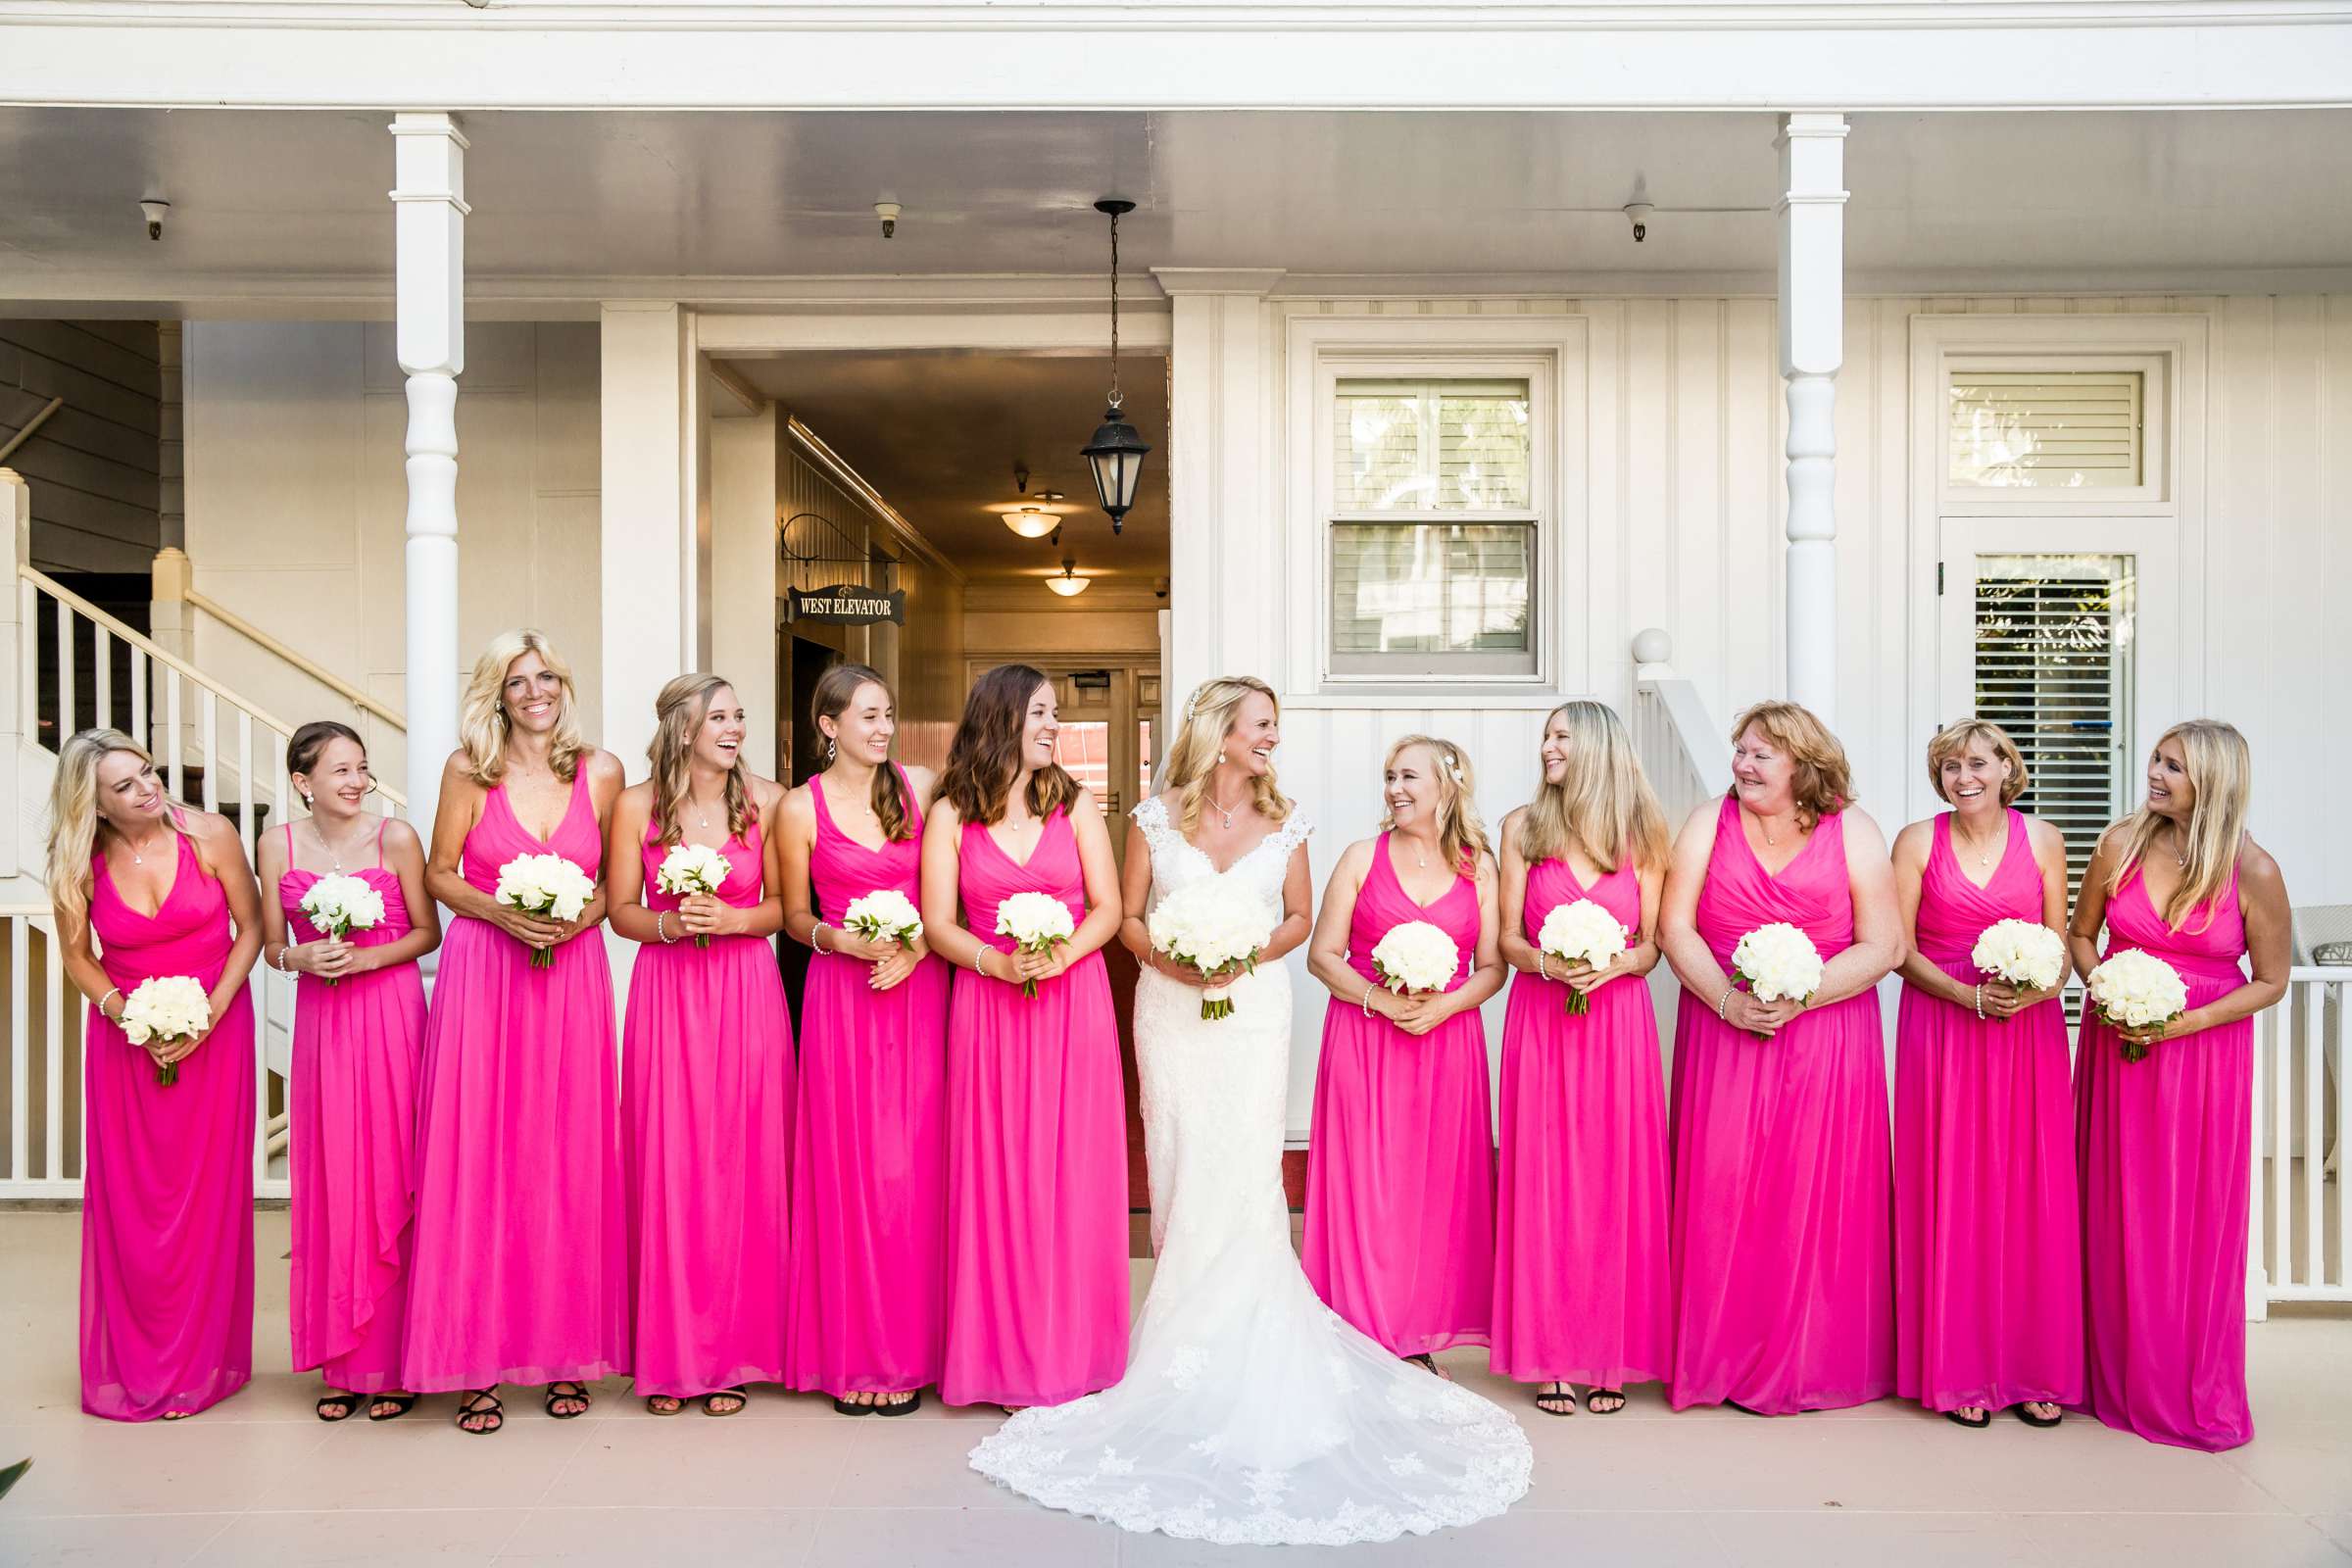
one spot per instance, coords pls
(829, 751)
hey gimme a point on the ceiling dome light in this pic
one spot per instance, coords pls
(1032, 521)
(1069, 584)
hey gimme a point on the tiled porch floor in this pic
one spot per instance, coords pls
(258, 1480)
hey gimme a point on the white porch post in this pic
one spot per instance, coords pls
(429, 339)
(1811, 213)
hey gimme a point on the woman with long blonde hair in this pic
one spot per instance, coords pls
(1783, 1236)
(167, 1235)
(1582, 1289)
(2162, 1136)
(1401, 1174)
(707, 1099)
(521, 1267)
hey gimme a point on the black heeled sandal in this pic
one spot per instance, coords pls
(1593, 1397)
(402, 1403)
(480, 1402)
(565, 1389)
(1561, 1402)
(349, 1401)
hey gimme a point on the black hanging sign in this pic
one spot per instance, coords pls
(847, 604)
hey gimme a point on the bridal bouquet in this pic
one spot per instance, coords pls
(1037, 922)
(340, 904)
(1415, 957)
(690, 868)
(1779, 964)
(2027, 954)
(165, 1008)
(2135, 990)
(548, 886)
(1582, 933)
(883, 915)
(1213, 925)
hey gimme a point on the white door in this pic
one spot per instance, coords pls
(2068, 632)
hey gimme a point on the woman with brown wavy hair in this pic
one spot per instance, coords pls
(1037, 1146)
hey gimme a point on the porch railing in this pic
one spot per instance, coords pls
(2301, 1237)
(1681, 749)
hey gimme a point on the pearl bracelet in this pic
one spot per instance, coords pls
(661, 928)
(817, 944)
(1979, 1001)
(1723, 1004)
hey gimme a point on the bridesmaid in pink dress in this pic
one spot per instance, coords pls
(167, 1224)
(521, 1267)
(1987, 1237)
(358, 1037)
(1037, 1131)
(707, 1056)
(2163, 1142)
(1400, 1166)
(1783, 1236)
(869, 1191)
(1582, 1292)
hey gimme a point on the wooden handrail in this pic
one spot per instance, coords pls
(310, 667)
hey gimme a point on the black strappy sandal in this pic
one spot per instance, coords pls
(1561, 1403)
(558, 1391)
(1983, 1419)
(2026, 1415)
(482, 1403)
(905, 1407)
(349, 1401)
(1592, 1395)
(402, 1403)
(739, 1394)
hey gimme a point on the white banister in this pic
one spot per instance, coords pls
(1681, 749)
(174, 576)
(1811, 214)
(2296, 1252)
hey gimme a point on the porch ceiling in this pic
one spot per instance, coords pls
(285, 211)
(938, 436)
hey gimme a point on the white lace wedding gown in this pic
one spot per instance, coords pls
(1250, 1412)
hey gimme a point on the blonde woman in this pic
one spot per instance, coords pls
(167, 1234)
(1582, 1291)
(707, 1051)
(2162, 1141)
(521, 1268)
(1782, 1238)
(1238, 1370)
(1401, 1172)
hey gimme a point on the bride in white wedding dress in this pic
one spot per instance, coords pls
(1250, 1413)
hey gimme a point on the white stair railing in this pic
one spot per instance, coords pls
(2298, 1249)
(1681, 749)
(40, 1035)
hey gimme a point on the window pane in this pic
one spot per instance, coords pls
(1483, 451)
(1431, 588)
(1430, 446)
(1084, 751)
(2054, 429)
(1379, 464)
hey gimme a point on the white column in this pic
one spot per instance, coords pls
(428, 198)
(17, 857)
(1812, 288)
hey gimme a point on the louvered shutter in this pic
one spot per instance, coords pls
(2047, 429)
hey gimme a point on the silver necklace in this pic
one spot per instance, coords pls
(1982, 858)
(1223, 811)
(136, 859)
(334, 856)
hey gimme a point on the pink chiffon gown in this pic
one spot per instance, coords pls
(2164, 1159)
(167, 1216)
(1987, 1237)
(351, 1146)
(1783, 1236)
(521, 1262)
(706, 1106)
(1036, 1305)
(870, 1193)
(1400, 1161)
(1582, 1290)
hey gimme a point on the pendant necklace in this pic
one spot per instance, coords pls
(1982, 858)
(1223, 811)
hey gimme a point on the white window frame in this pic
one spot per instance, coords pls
(2162, 521)
(1548, 354)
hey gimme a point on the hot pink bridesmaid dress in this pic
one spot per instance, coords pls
(1987, 1238)
(351, 1146)
(1582, 1290)
(870, 1193)
(1401, 1163)
(166, 1217)
(2164, 1158)
(1784, 1278)
(521, 1262)
(707, 1133)
(1036, 1156)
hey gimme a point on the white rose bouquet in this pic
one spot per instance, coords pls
(340, 904)
(2135, 990)
(2026, 953)
(165, 1008)
(1582, 933)
(1215, 926)
(548, 886)
(1779, 964)
(1415, 957)
(690, 868)
(883, 915)
(1037, 922)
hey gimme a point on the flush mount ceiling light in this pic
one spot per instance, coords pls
(1031, 521)
(1069, 584)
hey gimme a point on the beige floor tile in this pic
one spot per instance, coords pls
(111, 1467)
(1523, 1538)
(2084, 1467)
(2187, 1541)
(899, 1464)
(1840, 1539)
(702, 1464)
(640, 1538)
(2336, 1527)
(362, 1539)
(155, 1540)
(2307, 1468)
(989, 1538)
(1797, 1463)
(424, 1461)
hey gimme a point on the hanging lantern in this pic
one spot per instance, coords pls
(1116, 453)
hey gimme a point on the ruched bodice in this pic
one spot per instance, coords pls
(1554, 882)
(845, 871)
(990, 876)
(1810, 893)
(2208, 946)
(746, 871)
(499, 837)
(1382, 905)
(1953, 911)
(190, 934)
